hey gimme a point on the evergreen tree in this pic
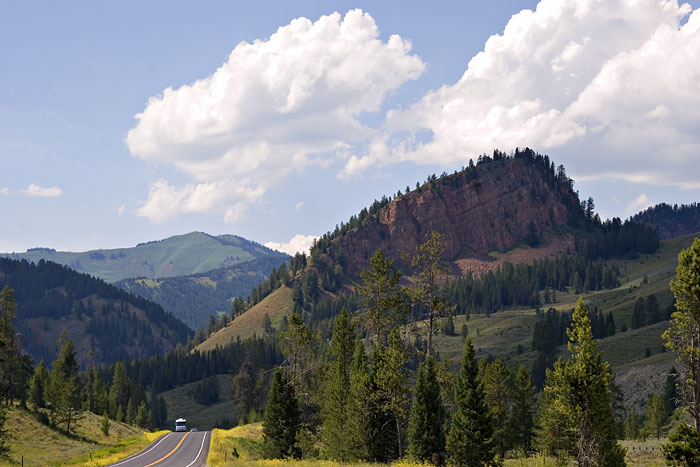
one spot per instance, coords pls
(632, 426)
(655, 415)
(498, 394)
(37, 386)
(683, 336)
(382, 300)
(426, 434)
(426, 290)
(281, 422)
(144, 417)
(363, 413)
(469, 442)
(391, 384)
(577, 417)
(334, 430)
(244, 391)
(523, 414)
(683, 447)
(104, 426)
(63, 392)
(119, 391)
(8, 344)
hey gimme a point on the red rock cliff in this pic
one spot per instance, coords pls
(486, 210)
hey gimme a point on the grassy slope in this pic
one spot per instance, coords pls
(176, 256)
(41, 445)
(181, 404)
(276, 306)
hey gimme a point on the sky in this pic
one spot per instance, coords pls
(125, 122)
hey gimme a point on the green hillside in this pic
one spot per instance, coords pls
(37, 444)
(180, 255)
(194, 297)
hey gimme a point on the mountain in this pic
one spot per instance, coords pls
(195, 297)
(671, 221)
(98, 317)
(486, 208)
(180, 255)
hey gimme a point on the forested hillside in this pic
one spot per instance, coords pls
(105, 322)
(180, 255)
(194, 298)
(671, 221)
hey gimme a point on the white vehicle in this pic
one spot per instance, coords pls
(180, 424)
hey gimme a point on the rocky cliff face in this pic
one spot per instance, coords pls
(480, 210)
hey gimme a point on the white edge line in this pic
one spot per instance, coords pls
(128, 459)
(200, 450)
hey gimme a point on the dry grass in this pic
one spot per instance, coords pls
(276, 306)
(40, 445)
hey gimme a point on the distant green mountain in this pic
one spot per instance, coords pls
(194, 297)
(180, 255)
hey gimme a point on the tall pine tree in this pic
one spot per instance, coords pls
(334, 412)
(469, 441)
(281, 422)
(577, 417)
(426, 434)
(498, 392)
(523, 414)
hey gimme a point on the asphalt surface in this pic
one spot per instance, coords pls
(172, 450)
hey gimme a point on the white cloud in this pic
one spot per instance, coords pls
(275, 106)
(299, 243)
(35, 190)
(299, 205)
(611, 84)
(639, 203)
(4, 191)
(121, 209)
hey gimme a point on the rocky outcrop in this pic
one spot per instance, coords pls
(478, 211)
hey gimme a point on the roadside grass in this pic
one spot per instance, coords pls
(110, 454)
(37, 444)
(181, 403)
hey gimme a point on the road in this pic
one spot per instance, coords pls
(172, 450)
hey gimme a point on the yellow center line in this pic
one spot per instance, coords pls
(168, 454)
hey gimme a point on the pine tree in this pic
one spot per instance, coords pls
(8, 345)
(144, 417)
(498, 395)
(524, 405)
(334, 412)
(469, 442)
(362, 429)
(426, 289)
(670, 391)
(104, 426)
(577, 417)
(119, 391)
(683, 336)
(382, 301)
(683, 447)
(655, 414)
(426, 434)
(63, 392)
(391, 384)
(37, 386)
(281, 422)
(4, 436)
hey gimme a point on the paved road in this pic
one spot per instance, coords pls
(172, 450)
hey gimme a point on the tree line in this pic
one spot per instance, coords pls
(357, 403)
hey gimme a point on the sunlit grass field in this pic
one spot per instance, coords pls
(37, 444)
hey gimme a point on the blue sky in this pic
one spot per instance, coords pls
(254, 122)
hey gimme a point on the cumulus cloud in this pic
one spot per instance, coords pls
(298, 244)
(35, 190)
(611, 84)
(275, 106)
(639, 203)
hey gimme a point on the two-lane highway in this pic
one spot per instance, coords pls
(172, 450)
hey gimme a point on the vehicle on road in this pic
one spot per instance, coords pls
(180, 424)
